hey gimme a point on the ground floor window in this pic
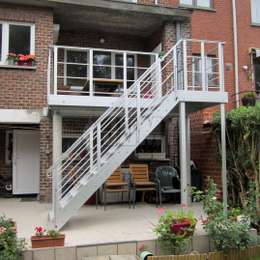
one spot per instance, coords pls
(256, 61)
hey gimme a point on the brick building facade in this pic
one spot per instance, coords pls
(26, 89)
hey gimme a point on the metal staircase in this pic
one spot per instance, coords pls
(85, 166)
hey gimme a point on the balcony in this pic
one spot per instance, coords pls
(93, 77)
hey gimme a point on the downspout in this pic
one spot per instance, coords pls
(235, 45)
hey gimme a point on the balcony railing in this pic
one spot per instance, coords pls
(78, 71)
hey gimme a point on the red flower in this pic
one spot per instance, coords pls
(39, 231)
(161, 211)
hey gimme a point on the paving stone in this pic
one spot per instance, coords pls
(44, 254)
(65, 253)
(126, 248)
(86, 251)
(28, 255)
(107, 250)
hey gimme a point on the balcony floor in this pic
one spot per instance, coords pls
(91, 226)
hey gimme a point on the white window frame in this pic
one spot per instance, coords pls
(5, 39)
(194, 4)
(253, 4)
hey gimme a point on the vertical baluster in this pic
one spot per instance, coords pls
(158, 77)
(221, 66)
(91, 82)
(203, 67)
(175, 69)
(99, 145)
(91, 149)
(55, 70)
(185, 69)
(138, 93)
(125, 89)
(49, 74)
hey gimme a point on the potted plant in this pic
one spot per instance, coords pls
(249, 99)
(11, 58)
(43, 238)
(26, 60)
(175, 230)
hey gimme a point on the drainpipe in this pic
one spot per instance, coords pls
(235, 44)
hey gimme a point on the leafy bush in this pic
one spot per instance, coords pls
(225, 232)
(10, 247)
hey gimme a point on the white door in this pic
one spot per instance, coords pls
(26, 162)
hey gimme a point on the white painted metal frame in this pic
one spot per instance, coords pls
(80, 171)
(5, 39)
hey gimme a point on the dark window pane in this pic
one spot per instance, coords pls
(257, 73)
(19, 39)
(150, 146)
(99, 59)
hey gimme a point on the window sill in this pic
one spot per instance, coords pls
(209, 9)
(255, 24)
(6, 66)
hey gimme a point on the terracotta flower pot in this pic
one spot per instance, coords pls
(25, 63)
(46, 241)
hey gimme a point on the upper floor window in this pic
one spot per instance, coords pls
(16, 38)
(198, 3)
(255, 11)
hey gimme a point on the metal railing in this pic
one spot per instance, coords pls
(95, 72)
(93, 149)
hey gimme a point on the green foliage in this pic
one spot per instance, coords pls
(10, 247)
(249, 94)
(243, 152)
(226, 233)
(54, 234)
(172, 242)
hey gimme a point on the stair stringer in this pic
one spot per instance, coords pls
(64, 213)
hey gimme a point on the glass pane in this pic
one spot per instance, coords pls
(203, 3)
(150, 146)
(76, 70)
(186, 2)
(77, 57)
(99, 59)
(255, 10)
(119, 70)
(19, 39)
(257, 73)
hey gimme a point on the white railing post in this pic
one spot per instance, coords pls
(158, 76)
(99, 145)
(91, 148)
(125, 89)
(221, 66)
(55, 70)
(91, 82)
(175, 69)
(203, 67)
(49, 74)
(185, 69)
(138, 107)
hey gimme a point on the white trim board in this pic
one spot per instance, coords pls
(20, 116)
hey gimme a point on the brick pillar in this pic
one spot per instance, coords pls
(45, 159)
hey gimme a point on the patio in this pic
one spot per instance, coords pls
(92, 226)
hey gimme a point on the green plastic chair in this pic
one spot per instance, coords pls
(167, 179)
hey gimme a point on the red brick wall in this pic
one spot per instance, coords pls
(27, 88)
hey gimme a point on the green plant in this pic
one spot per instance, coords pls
(10, 247)
(52, 233)
(6, 222)
(226, 233)
(174, 231)
(249, 94)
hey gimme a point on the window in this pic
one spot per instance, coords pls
(256, 62)
(8, 147)
(153, 147)
(197, 3)
(255, 11)
(211, 67)
(18, 38)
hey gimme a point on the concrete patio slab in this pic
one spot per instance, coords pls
(93, 226)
